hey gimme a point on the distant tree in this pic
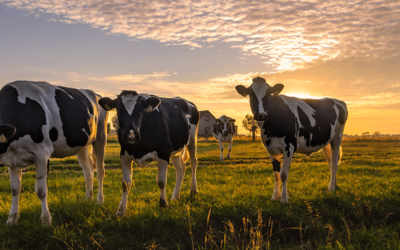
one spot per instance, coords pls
(250, 125)
(114, 121)
(108, 128)
(365, 133)
(377, 133)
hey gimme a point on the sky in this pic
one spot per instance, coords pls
(200, 50)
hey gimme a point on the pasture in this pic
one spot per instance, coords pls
(233, 209)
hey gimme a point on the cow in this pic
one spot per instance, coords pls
(155, 129)
(291, 125)
(223, 130)
(39, 121)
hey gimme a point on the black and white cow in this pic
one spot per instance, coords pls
(39, 121)
(224, 130)
(155, 129)
(291, 125)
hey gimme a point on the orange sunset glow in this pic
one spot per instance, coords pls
(200, 51)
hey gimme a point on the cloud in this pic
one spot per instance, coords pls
(286, 34)
(128, 78)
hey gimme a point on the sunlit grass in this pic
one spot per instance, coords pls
(362, 214)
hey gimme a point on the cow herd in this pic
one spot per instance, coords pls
(39, 121)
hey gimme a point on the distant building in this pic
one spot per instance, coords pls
(206, 122)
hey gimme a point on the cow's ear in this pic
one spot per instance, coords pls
(233, 120)
(150, 103)
(276, 89)
(242, 90)
(6, 132)
(107, 103)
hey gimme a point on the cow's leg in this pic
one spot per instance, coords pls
(287, 160)
(180, 169)
(336, 154)
(162, 181)
(99, 151)
(41, 189)
(88, 171)
(126, 164)
(192, 147)
(221, 147)
(230, 147)
(276, 165)
(15, 183)
(328, 154)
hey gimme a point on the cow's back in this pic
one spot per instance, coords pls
(59, 120)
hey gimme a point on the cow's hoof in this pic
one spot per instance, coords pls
(285, 200)
(332, 188)
(163, 203)
(12, 219)
(175, 197)
(221, 159)
(46, 220)
(275, 197)
(120, 212)
(100, 199)
(193, 193)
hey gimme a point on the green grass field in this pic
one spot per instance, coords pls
(233, 209)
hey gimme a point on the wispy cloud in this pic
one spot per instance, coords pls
(128, 78)
(287, 34)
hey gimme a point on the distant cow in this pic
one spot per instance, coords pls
(224, 130)
(39, 121)
(155, 129)
(291, 125)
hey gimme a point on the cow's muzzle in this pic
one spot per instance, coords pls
(260, 117)
(131, 137)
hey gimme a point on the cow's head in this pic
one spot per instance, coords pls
(225, 124)
(130, 109)
(259, 93)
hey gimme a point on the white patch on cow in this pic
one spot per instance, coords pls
(145, 160)
(293, 103)
(260, 89)
(21, 153)
(188, 117)
(129, 101)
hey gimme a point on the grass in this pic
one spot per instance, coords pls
(233, 209)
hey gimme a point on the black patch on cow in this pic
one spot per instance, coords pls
(325, 117)
(276, 165)
(124, 187)
(342, 115)
(39, 178)
(163, 130)
(267, 142)
(161, 184)
(14, 192)
(53, 133)
(41, 194)
(76, 112)
(280, 122)
(28, 118)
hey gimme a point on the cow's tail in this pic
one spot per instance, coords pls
(93, 157)
(185, 155)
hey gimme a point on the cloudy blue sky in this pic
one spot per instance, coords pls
(201, 50)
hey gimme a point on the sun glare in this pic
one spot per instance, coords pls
(304, 95)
